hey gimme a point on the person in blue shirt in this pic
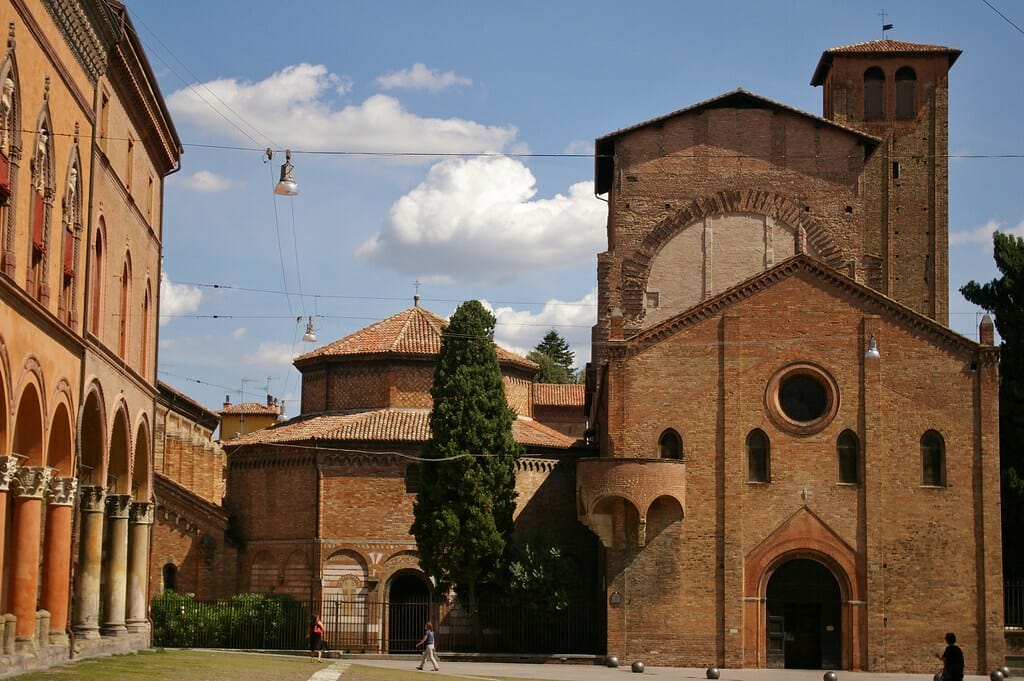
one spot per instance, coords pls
(428, 646)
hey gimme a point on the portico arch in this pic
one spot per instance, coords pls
(408, 593)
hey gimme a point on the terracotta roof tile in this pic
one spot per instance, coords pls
(878, 47)
(385, 425)
(415, 331)
(558, 395)
(249, 408)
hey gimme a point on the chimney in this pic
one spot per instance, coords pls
(270, 400)
(986, 331)
(227, 401)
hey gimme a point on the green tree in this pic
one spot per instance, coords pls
(463, 511)
(555, 359)
(1004, 298)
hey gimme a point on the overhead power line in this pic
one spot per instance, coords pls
(1004, 17)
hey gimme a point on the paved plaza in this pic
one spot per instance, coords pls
(580, 672)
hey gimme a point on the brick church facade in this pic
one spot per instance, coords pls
(799, 461)
(786, 458)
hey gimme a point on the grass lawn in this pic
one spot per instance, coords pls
(207, 665)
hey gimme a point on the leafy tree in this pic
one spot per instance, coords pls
(555, 359)
(539, 575)
(1004, 298)
(463, 511)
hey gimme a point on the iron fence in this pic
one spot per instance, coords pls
(372, 626)
(1013, 603)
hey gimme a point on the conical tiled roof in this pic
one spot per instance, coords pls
(415, 331)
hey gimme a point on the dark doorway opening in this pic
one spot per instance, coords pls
(408, 610)
(804, 612)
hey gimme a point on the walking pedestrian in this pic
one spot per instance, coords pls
(952, 660)
(316, 639)
(428, 647)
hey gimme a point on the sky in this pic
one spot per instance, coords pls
(445, 149)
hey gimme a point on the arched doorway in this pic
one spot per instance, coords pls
(408, 609)
(804, 612)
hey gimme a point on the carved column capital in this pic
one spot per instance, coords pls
(31, 481)
(92, 498)
(62, 491)
(117, 506)
(141, 513)
(8, 464)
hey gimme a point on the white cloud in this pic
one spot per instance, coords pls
(206, 182)
(521, 330)
(177, 299)
(476, 219)
(580, 147)
(238, 334)
(269, 354)
(419, 77)
(983, 234)
(295, 107)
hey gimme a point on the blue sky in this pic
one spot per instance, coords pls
(518, 232)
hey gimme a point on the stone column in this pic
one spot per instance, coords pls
(140, 522)
(115, 586)
(24, 584)
(8, 464)
(57, 552)
(90, 553)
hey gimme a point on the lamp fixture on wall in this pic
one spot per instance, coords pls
(872, 351)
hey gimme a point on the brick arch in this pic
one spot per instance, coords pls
(6, 406)
(804, 535)
(92, 436)
(636, 270)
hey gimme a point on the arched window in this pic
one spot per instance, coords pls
(758, 457)
(124, 312)
(874, 93)
(933, 460)
(9, 137)
(170, 574)
(71, 222)
(96, 280)
(144, 345)
(39, 211)
(670, 445)
(848, 453)
(906, 93)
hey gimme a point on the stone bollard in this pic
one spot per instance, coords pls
(713, 673)
(42, 628)
(830, 676)
(637, 667)
(10, 622)
(996, 675)
(1005, 671)
(612, 661)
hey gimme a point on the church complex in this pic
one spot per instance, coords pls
(789, 460)
(782, 456)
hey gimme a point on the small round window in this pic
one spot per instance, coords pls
(802, 398)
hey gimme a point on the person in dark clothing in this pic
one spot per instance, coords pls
(952, 660)
(316, 639)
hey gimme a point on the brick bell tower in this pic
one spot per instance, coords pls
(898, 91)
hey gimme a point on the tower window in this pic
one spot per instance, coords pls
(906, 86)
(874, 93)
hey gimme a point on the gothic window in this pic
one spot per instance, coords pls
(670, 445)
(933, 460)
(8, 134)
(906, 82)
(848, 452)
(124, 311)
(144, 345)
(758, 457)
(874, 93)
(96, 294)
(42, 191)
(71, 224)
